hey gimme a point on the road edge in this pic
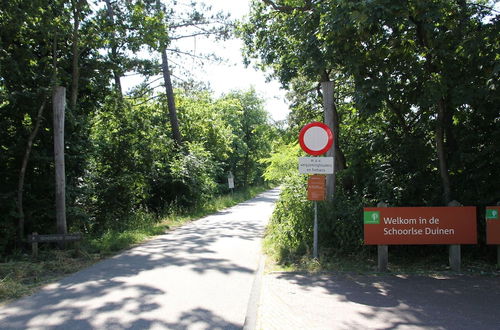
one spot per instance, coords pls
(252, 316)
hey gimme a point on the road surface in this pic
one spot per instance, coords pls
(198, 276)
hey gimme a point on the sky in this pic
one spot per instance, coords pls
(232, 75)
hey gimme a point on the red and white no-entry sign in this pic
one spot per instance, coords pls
(315, 138)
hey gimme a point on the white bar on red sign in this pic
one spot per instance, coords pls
(316, 165)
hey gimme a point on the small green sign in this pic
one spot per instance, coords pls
(371, 217)
(491, 214)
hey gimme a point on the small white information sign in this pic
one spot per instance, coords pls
(230, 182)
(316, 165)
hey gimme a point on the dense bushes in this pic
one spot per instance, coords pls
(129, 153)
(290, 232)
(130, 169)
(415, 94)
(135, 165)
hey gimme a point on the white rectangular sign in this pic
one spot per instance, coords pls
(230, 182)
(316, 165)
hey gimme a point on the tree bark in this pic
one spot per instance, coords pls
(441, 151)
(444, 118)
(327, 89)
(167, 80)
(59, 103)
(339, 155)
(75, 75)
(332, 120)
(174, 123)
(22, 172)
(114, 51)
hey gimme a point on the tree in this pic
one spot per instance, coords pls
(406, 59)
(419, 100)
(165, 25)
(283, 34)
(35, 54)
(410, 58)
(253, 135)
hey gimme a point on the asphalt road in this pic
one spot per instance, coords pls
(198, 276)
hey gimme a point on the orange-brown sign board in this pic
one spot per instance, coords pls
(420, 225)
(493, 225)
(316, 188)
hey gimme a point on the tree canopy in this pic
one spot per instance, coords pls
(122, 151)
(416, 94)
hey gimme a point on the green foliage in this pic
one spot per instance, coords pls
(193, 174)
(282, 163)
(128, 148)
(134, 164)
(416, 98)
(21, 275)
(122, 167)
(289, 234)
(252, 135)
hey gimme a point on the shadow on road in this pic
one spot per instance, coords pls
(75, 302)
(393, 302)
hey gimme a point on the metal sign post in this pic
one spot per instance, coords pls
(316, 191)
(316, 139)
(315, 243)
(230, 181)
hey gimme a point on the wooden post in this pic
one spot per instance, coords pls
(382, 257)
(34, 246)
(382, 251)
(455, 257)
(498, 246)
(59, 104)
(327, 89)
(454, 253)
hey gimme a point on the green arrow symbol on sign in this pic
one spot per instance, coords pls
(371, 217)
(491, 214)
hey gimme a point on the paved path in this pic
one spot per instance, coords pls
(196, 277)
(347, 302)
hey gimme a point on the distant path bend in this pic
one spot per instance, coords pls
(198, 276)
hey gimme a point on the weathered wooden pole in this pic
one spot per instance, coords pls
(498, 246)
(454, 251)
(327, 90)
(59, 103)
(382, 251)
(498, 255)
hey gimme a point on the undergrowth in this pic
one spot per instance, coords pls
(21, 274)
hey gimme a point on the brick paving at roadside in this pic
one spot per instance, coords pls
(342, 301)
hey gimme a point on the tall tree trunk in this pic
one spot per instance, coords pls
(114, 51)
(59, 105)
(444, 119)
(332, 120)
(327, 90)
(75, 75)
(339, 155)
(441, 151)
(172, 111)
(22, 172)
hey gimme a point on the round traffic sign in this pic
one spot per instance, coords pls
(315, 138)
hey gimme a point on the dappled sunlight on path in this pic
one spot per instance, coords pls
(197, 276)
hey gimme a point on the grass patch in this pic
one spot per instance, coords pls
(363, 263)
(21, 274)
(338, 263)
(174, 218)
